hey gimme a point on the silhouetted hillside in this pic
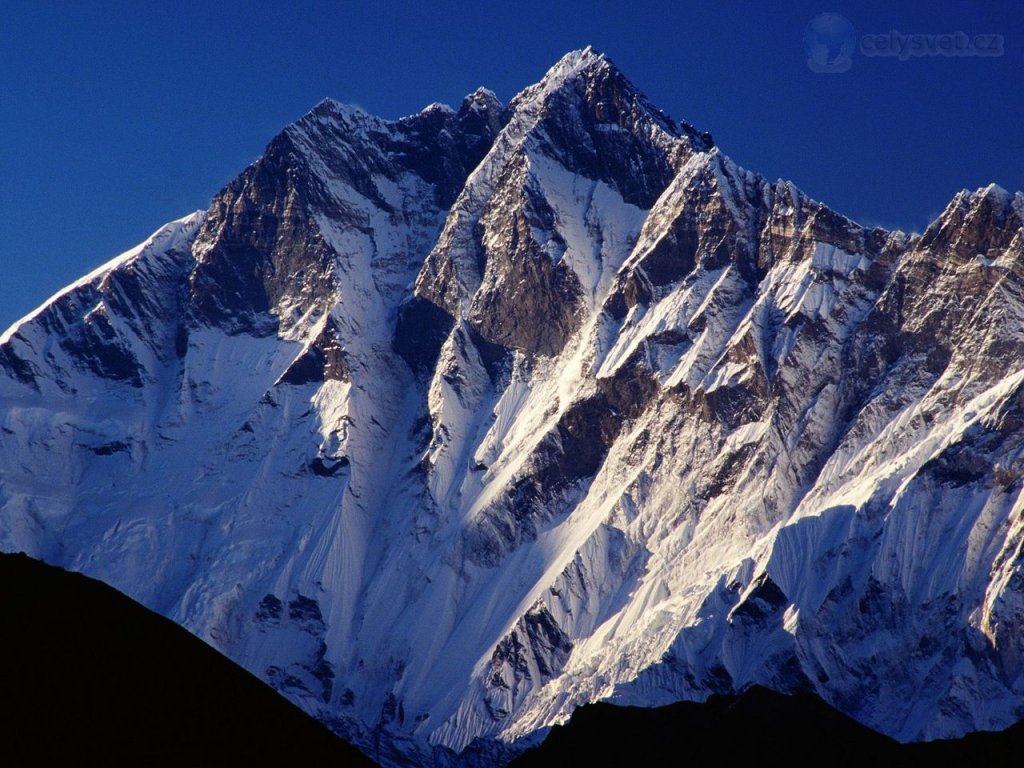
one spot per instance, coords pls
(799, 730)
(89, 677)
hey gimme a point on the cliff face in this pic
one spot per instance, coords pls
(447, 425)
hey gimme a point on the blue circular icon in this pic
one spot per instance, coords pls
(829, 42)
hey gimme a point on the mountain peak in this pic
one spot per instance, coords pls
(979, 222)
(482, 99)
(437, 107)
(586, 65)
(997, 197)
(329, 106)
(581, 60)
(995, 189)
(592, 81)
(991, 198)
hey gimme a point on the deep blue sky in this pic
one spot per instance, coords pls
(118, 116)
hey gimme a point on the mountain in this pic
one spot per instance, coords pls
(448, 425)
(86, 675)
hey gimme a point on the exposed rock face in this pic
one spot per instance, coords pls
(563, 190)
(539, 405)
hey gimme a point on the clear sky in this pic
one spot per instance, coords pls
(118, 116)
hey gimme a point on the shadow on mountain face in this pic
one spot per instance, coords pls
(89, 677)
(757, 725)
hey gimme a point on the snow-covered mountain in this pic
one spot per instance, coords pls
(444, 426)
